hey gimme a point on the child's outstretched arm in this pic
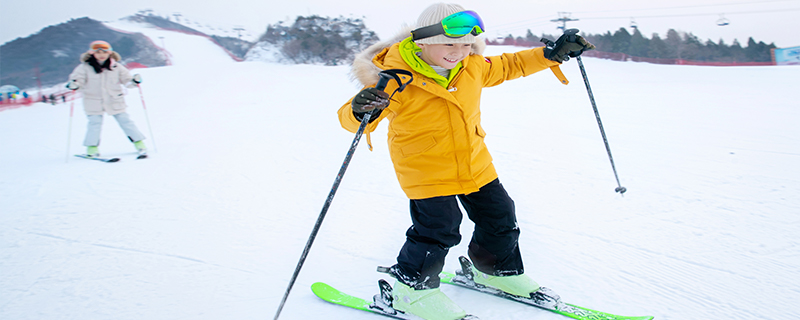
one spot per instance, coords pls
(509, 66)
(526, 62)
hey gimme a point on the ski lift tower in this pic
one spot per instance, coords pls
(563, 17)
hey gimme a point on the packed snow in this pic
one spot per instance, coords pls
(243, 155)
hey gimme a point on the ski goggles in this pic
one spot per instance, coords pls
(455, 25)
(100, 46)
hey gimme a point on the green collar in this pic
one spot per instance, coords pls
(409, 49)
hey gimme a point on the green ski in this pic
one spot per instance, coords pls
(332, 295)
(544, 298)
(381, 304)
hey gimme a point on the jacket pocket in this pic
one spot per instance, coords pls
(118, 102)
(418, 146)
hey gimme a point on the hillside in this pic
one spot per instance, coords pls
(313, 40)
(54, 52)
(236, 46)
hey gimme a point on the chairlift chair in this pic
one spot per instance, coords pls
(722, 21)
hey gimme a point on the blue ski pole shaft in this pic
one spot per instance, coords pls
(619, 188)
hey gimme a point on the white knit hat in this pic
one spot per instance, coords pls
(433, 15)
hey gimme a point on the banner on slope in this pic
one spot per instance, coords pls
(787, 56)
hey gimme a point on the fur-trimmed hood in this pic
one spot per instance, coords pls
(114, 55)
(366, 72)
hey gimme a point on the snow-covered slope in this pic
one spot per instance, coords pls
(244, 154)
(183, 49)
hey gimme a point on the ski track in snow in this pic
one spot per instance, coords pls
(212, 224)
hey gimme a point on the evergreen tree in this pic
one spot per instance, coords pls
(759, 52)
(692, 47)
(658, 48)
(674, 44)
(751, 52)
(533, 39)
(677, 45)
(710, 51)
(722, 52)
(603, 42)
(508, 40)
(640, 46)
(315, 39)
(621, 41)
(737, 52)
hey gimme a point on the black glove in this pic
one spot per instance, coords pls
(370, 99)
(570, 44)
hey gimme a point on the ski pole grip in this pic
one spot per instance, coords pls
(384, 80)
(390, 74)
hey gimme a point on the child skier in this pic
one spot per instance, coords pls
(100, 76)
(437, 147)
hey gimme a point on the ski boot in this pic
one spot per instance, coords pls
(428, 304)
(140, 149)
(92, 152)
(518, 285)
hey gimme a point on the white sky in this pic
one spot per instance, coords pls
(771, 21)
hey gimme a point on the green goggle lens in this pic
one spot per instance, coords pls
(462, 23)
(455, 25)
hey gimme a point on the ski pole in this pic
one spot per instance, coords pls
(555, 46)
(385, 76)
(619, 188)
(149, 128)
(69, 130)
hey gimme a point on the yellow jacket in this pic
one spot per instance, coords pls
(435, 135)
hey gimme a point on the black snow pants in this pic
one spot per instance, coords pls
(436, 221)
